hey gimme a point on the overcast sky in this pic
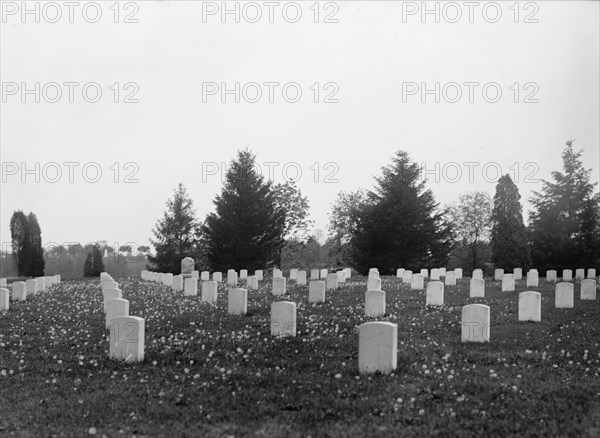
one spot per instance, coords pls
(365, 63)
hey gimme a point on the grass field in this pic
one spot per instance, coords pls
(206, 373)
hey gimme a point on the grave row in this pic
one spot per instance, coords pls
(20, 290)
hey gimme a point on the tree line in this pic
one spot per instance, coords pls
(397, 223)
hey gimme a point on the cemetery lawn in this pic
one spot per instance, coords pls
(206, 373)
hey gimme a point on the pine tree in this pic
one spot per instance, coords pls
(37, 263)
(563, 223)
(245, 230)
(401, 224)
(509, 237)
(177, 234)
(19, 230)
(94, 265)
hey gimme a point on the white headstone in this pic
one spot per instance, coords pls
(114, 308)
(332, 281)
(196, 275)
(341, 275)
(377, 347)
(243, 274)
(4, 300)
(348, 273)
(407, 276)
(301, 278)
(293, 274)
(252, 282)
(178, 283)
(424, 273)
(19, 291)
(518, 273)
(277, 273)
(218, 277)
(374, 303)
(373, 283)
(588, 289)
(316, 291)
(31, 285)
(442, 272)
(450, 279)
(110, 294)
(533, 279)
(127, 335)
(314, 274)
(190, 287)
(104, 276)
(109, 284)
(279, 286)
(283, 319)
(435, 294)
(475, 323)
(579, 274)
(530, 306)
(237, 301)
(168, 280)
(3, 283)
(435, 274)
(458, 273)
(204, 276)
(563, 296)
(399, 272)
(259, 274)
(567, 275)
(498, 274)
(551, 275)
(476, 287)
(478, 273)
(323, 273)
(187, 266)
(209, 291)
(416, 282)
(508, 283)
(41, 284)
(232, 278)
(591, 273)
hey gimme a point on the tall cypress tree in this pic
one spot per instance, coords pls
(177, 234)
(35, 244)
(509, 238)
(401, 224)
(19, 230)
(94, 265)
(564, 220)
(245, 230)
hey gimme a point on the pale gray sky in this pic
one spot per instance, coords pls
(368, 60)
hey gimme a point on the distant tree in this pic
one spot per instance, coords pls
(35, 244)
(564, 221)
(343, 222)
(294, 207)
(509, 237)
(94, 265)
(177, 234)
(401, 225)
(472, 225)
(144, 249)
(21, 243)
(245, 230)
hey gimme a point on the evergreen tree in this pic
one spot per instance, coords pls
(509, 238)
(400, 225)
(564, 221)
(177, 234)
(37, 262)
(19, 230)
(245, 230)
(94, 265)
